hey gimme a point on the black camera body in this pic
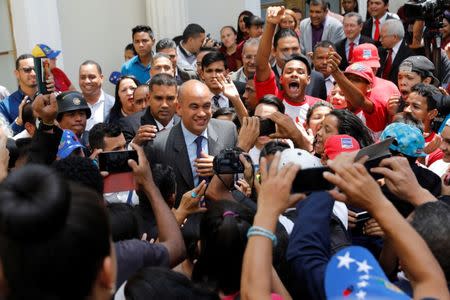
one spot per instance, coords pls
(228, 162)
(425, 9)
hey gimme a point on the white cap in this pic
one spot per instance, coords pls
(299, 157)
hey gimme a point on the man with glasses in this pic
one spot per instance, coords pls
(26, 77)
(248, 60)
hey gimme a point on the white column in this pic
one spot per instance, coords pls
(167, 18)
(36, 22)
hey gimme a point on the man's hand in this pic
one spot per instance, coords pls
(371, 227)
(248, 169)
(287, 129)
(50, 84)
(244, 187)
(204, 165)
(145, 133)
(46, 107)
(401, 181)
(276, 185)
(190, 202)
(433, 145)
(227, 87)
(334, 59)
(249, 133)
(142, 172)
(19, 120)
(274, 14)
(393, 104)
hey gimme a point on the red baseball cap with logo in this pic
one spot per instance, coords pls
(336, 144)
(366, 54)
(360, 70)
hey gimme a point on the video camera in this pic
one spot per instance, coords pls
(425, 9)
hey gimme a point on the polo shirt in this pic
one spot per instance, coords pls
(137, 69)
(9, 108)
(296, 110)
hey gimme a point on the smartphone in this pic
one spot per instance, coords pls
(361, 219)
(116, 161)
(376, 153)
(42, 70)
(266, 127)
(310, 180)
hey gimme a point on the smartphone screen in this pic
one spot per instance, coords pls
(310, 180)
(266, 127)
(42, 70)
(116, 161)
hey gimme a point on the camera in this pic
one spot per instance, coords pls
(215, 43)
(425, 9)
(228, 162)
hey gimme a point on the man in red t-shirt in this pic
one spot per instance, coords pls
(295, 74)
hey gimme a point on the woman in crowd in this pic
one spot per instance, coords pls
(55, 240)
(316, 114)
(242, 33)
(230, 48)
(124, 105)
(254, 26)
(289, 21)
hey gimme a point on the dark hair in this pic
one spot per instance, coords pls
(165, 179)
(165, 44)
(192, 31)
(98, 133)
(50, 228)
(322, 3)
(324, 44)
(22, 57)
(27, 114)
(130, 46)
(124, 224)
(432, 221)
(224, 111)
(91, 62)
(240, 34)
(23, 150)
(355, 14)
(297, 10)
(427, 91)
(283, 33)
(162, 79)
(253, 21)
(116, 109)
(273, 147)
(299, 57)
(212, 57)
(191, 236)
(81, 170)
(349, 123)
(160, 283)
(142, 28)
(311, 110)
(272, 100)
(223, 238)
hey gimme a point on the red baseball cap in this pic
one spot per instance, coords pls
(336, 144)
(366, 54)
(360, 70)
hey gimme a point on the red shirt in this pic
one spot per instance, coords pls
(62, 83)
(383, 89)
(296, 110)
(377, 120)
(232, 59)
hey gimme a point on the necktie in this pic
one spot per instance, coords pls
(215, 99)
(387, 65)
(198, 142)
(350, 52)
(376, 35)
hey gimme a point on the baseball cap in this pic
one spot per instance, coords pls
(42, 50)
(361, 70)
(419, 64)
(69, 142)
(353, 273)
(408, 139)
(337, 144)
(115, 77)
(300, 157)
(366, 54)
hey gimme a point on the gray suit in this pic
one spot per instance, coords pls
(169, 148)
(332, 31)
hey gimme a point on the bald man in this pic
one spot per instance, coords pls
(190, 146)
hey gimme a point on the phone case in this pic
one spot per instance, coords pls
(119, 182)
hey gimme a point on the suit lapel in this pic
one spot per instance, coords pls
(181, 157)
(214, 146)
(147, 118)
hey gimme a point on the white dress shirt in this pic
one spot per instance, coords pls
(97, 112)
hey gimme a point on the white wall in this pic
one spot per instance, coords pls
(98, 30)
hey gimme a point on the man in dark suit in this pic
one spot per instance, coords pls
(285, 43)
(142, 126)
(378, 10)
(353, 25)
(168, 47)
(393, 51)
(189, 146)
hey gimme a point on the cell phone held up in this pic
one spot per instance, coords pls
(42, 70)
(120, 176)
(266, 127)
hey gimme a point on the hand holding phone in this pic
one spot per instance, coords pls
(120, 176)
(266, 127)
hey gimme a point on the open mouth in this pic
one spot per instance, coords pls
(294, 87)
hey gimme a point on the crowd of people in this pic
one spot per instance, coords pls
(246, 181)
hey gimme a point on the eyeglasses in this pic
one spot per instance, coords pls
(249, 57)
(27, 70)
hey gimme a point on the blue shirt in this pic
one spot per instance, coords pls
(9, 108)
(191, 146)
(137, 69)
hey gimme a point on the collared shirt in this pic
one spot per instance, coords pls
(9, 108)
(395, 49)
(223, 101)
(239, 75)
(191, 146)
(22, 135)
(97, 112)
(329, 84)
(382, 20)
(186, 59)
(347, 44)
(316, 34)
(162, 127)
(137, 69)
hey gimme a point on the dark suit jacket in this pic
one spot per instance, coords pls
(403, 52)
(169, 148)
(367, 28)
(340, 49)
(131, 124)
(315, 88)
